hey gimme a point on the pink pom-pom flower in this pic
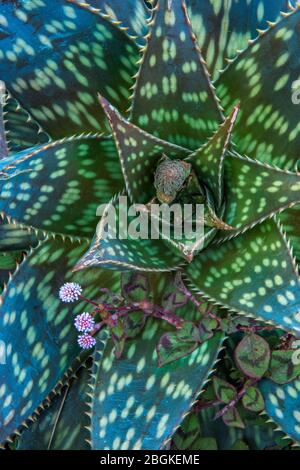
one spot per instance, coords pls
(70, 292)
(84, 322)
(86, 341)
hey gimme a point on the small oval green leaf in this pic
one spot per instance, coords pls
(252, 356)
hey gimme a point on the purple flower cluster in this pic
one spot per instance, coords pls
(86, 341)
(84, 322)
(70, 292)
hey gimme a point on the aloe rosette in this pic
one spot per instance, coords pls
(97, 93)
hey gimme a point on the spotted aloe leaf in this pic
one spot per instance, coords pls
(224, 27)
(173, 72)
(253, 274)
(282, 404)
(208, 161)
(37, 331)
(268, 127)
(290, 220)
(271, 191)
(109, 250)
(139, 153)
(132, 14)
(61, 57)
(75, 175)
(57, 426)
(3, 140)
(22, 131)
(147, 402)
(15, 237)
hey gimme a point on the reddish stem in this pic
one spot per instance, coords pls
(89, 301)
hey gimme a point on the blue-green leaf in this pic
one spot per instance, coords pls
(173, 96)
(253, 274)
(113, 249)
(15, 237)
(58, 186)
(139, 154)
(137, 405)
(55, 57)
(36, 329)
(256, 191)
(264, 79)
(208, 161)
(133, 15)
(22, 131)
(222, 27)
(58, 427)
(282, 404)
(3, 138)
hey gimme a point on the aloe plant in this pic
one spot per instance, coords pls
(146, 99)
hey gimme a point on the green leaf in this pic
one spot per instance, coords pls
(208, 161)
(15, 237)
(8, 260)
(37, 329)
(233, 419)
(145, 401)
(22, 131)
(253, 274)
(282, 367)
(175, 345)
(205, 443)
(109, 250)
(224, 391)
(127, 327)
(71, 51)
(206, 328)
(135, 286)
(271, 190)
(283, 405)
(258, 433)
(240, 445)
(133, 14)
(263, 79)
(59, 186)
(58, 427)
(173, 97)
(8, 264)
(139, 154)
(252, 355)
(187, 433)
(224, 27)
(253, 400)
